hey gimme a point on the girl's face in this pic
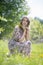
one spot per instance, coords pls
(24, 22)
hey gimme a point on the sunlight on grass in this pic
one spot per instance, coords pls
(36, 57)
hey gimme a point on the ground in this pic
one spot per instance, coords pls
(36, 57)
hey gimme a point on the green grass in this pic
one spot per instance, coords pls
(36, 57)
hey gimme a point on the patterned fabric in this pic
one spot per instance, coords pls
(17, 33)
(14, 43)
(24, 47)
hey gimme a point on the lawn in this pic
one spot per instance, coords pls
(36, 57)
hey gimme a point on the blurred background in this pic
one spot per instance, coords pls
(11, 12)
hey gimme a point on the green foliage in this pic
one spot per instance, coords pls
(10, 13)
(36, 29)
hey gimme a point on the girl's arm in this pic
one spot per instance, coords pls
(16, 33)
(27, 36)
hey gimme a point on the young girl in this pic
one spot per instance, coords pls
(20, 38)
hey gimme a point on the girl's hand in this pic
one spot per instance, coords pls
(27, 33)
(27, 28)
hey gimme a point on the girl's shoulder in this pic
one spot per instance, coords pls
(16, 27)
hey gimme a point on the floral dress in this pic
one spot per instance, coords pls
(14, 42)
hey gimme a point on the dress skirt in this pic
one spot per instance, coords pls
(22, 47)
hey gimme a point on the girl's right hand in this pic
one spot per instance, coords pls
(24, 32)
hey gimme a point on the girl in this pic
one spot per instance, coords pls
(20, 38)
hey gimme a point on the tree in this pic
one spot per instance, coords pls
(36, 29)
(10, 13)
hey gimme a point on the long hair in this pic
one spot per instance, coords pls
(20, 25)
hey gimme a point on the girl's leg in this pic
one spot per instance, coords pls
(20, 47)
(27, 48)
(11, 47)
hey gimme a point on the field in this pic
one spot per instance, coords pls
(36, 57)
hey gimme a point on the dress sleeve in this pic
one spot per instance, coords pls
(16, 34)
